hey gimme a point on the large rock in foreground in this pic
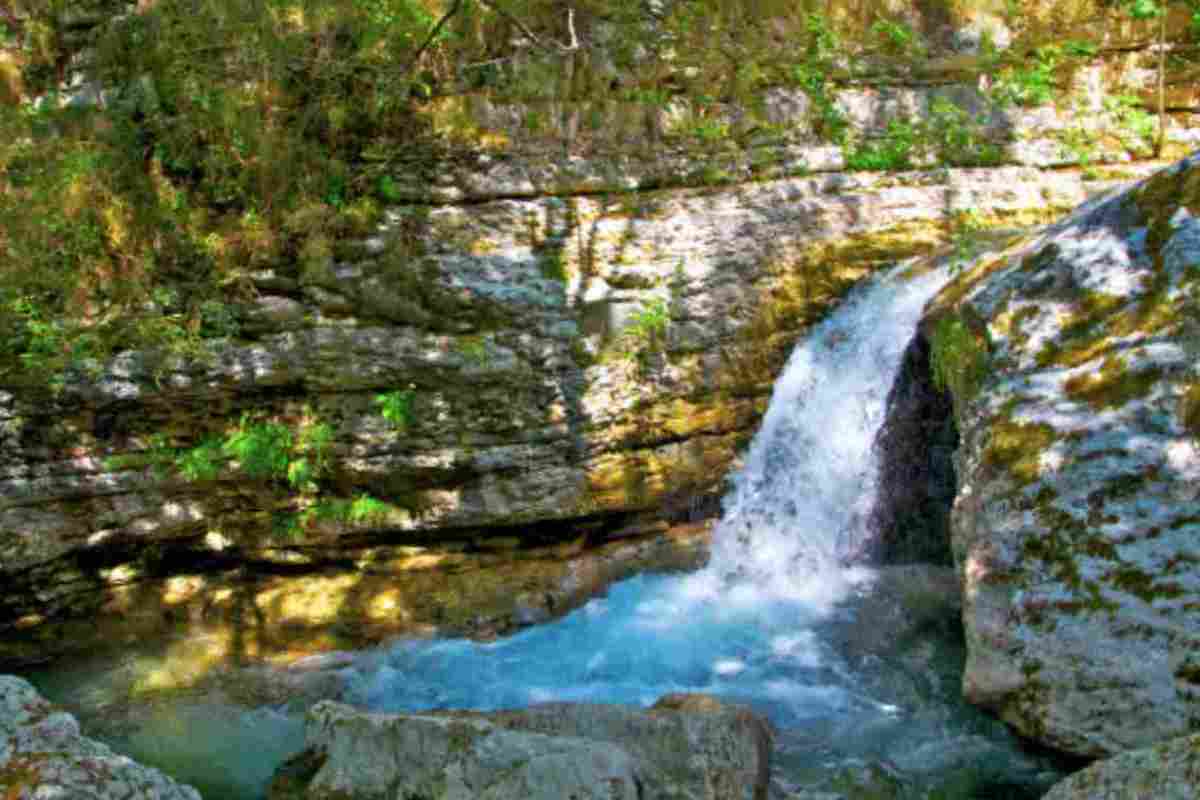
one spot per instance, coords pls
(43, 755)
(686, 746)
(1076, 528)
(1166, 771)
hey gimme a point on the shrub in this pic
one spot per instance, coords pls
(396, 407)
(894, 151)
(646, 331)
(1031, 84)
(262, 450)
(959, 138)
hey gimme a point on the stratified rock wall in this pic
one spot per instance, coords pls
(1075, 528)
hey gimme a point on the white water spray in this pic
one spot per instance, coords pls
(741, 627)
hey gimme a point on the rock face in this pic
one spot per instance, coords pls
(1167, 771)
(549, 338)
(686, 746)
(42, 754)
(535, 411)
(1073, 359)
(911, 519)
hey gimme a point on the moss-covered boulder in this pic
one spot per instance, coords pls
(1076, 526)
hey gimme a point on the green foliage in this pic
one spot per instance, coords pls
(1079, 145)
(388, 191)
(1136, 126)
(894, 151)
(262, 450)
(202, 462)
(957, 358)
(1189, 410)
(897, 38)
(709, 130)
(363, 509)
(1144, 9)
(966, 238)
(959, 138)
(473, 349)
(1080, 48)
(552, 262)
(1032, 83)
(397, 407)
(813, 77)
(646, 331)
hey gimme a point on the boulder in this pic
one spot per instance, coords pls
(43, 755)
(686, 746)
(1169, 770)
(1073, 363)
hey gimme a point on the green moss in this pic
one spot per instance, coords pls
(1086, 330)
(1114, 386)
(1188, 409)
(1142, 585)
(1159, 198)
(1017, 447)
(1099, 547)
(473, 349)
(1056, 551)
(1188, 673)
(958, 357)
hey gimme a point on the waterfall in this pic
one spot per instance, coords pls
(744, 626)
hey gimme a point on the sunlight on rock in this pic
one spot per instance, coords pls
(126, 573)
(315, 600)
(1184, 458)
(215, 540)
(183, 588)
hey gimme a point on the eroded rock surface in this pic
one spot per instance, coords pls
(686, 746)
(43, 755)
(1075, 527)
(1167, 771)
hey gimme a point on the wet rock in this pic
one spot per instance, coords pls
(1169, 770)
(686, 746)
(43, 754)
(911, 518)
(1073, 364)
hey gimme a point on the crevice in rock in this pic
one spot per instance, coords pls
(911, 519)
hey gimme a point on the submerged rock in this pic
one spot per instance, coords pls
(43, 755)
(1073, 360)
(1167, 771)
(686, 746)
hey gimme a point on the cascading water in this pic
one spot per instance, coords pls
(743, 626)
